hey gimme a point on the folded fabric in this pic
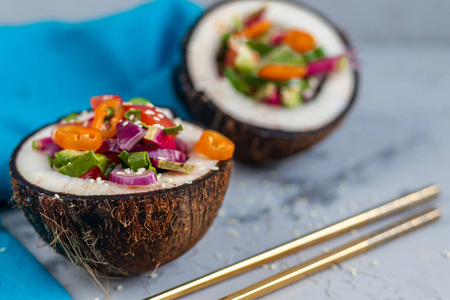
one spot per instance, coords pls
(22, 276)
(51, 69)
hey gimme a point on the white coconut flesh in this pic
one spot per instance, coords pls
(204, 43)
(34, 167)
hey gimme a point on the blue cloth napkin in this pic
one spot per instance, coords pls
(51, 69)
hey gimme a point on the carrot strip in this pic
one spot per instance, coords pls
(281, 72)
(300, 41)
(256, 29)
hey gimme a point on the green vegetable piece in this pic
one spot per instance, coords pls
(138, 160)
(72, 117)
(109, 169)
(236, 81)
(139, 101)
(80, 165)
(245, 60)
(259, 47)
(34, 145)
(104, 162)
(175, 166)
(173, 130)
(123, 156)
(265, 91)
(316, 54)
(254, 81)
(133, 115)
(237, 22)
(291, 96)
(284, 55)
(64, 157)
(225, 38)
(50, 161)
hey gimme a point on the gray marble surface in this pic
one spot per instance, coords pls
(394, 141)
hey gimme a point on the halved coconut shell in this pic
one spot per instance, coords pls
(257, 141)
(122, 234)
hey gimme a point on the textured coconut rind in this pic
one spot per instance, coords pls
(122, 235)
(256, 145)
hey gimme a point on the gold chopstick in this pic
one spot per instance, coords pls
(344, 252)
(414, 199)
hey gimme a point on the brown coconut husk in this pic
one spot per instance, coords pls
(123, 235)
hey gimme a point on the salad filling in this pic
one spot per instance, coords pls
(273, 64)
(126, 143)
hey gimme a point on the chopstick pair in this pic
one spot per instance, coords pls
(325, 260)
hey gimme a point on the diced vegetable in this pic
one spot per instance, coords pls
(109, 145)
(137, 160)
(123, 176)
(259, 47)
(102, 111)
(316, 54)
(291, 96)
(255, 17)
(167, 154)
(97, 100)
(215, 145)
(173, 166)
(129, 134)
(274, 99)
(41, 143)
(181, 145)
(80, 165)
(51, 149)
(157, 137)
(123, 156)
(64, 157)
(280, 72)
(78, 137)
(133, 115)
(151, 116)
(237, 81)
(284, 55)
(173, 130)
(265, 91)
(72, 117)
(94, 173)
(247, 60)
(256, 29)
(325, 65)
(140, 101)
(300, 41)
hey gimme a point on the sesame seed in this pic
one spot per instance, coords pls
(265, 267)
(158, 176)
(446, 253)
(132, 117)
(154, 275)
(188, 182)
(96, 298)
(106, 184)
(325, 249)
(125, 123)
(119, 287)
(161, 158)
(374, 263)
(119, 173)
(201, 168)
(215, 168)
(57, 196)
(139, 172)
(170, 180)
(141, 169)
(255, 228)
(273, 266)
(232, 221)
(295, 233)
(93, 180)
(156, 119)
(163, 185)
(128, 171)
(353, 272)
(217, 255)
(149, 112)
(222, 213)
(160, 115)
(233, 233)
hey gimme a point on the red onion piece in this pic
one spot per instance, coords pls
(129, 134)
(119, 176)
(181, 145)
(277, 39)
(274, 99)
(324, 66)
(42, 143)
(255, 17)
(109, 146)
(155, 153)
(51, 149)
(160, 139)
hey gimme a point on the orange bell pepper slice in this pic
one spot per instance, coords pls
(256, 29)
(78, 137)
(280, 72)
(108, 130)
(215, 145)
(300, 41)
